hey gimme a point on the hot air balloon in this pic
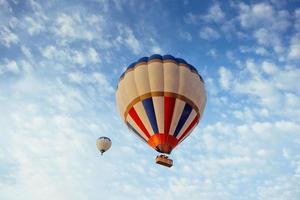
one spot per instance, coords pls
(161, 99)
(103, 144)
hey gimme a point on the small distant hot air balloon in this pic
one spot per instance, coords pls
(161, 99)
(103, 144)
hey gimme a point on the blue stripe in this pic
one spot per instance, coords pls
(135, 131)
(148, 106)
(184, 116)
(180, 60)
(169, 57)
(143, 59)
(155, 56)
(131, 65)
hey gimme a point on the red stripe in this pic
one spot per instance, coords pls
(138, 121)
(169, 104)
(194, 122)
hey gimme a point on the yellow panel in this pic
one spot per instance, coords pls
(191, 86)
(141, 79)
(179, 105)
(123, 95)
(203, 100)
(129, 81)
(156, 76)
(119, 104)
(158, 103)
(171, 77)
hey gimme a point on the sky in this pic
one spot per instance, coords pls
(60, 62)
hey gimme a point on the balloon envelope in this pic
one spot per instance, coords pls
(161, 100)
(103, 144)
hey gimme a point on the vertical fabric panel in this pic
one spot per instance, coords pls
(136, 132)
(148, 105)
(179, 105)
(136, 128)
(189, 129)
(120, 105)
(123, 96)
(184, 116)
(158, 103)
(169, 103)
(190, 85)
(139, 108)
(156, 76)
(138, 121)
(187, 123)
(131, 90)
(171, 77)
(202, 98)
(142, 79)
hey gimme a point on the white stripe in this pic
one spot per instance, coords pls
(178, 109)
(139, 108)
(158, 104)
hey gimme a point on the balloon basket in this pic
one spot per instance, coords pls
(164, 160)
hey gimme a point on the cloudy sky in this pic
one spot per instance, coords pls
(59, 66)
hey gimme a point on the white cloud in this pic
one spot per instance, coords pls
(34, 26)
(266, 85)
(212, 53)
(263, 14)
(215, 14)
(7, 37)
(96, 78)
(93, 55)
(268, 24)
(225, 78)
(185, 35)
(64, 54)
(294, 50)
(78, 26)
(269, 38)
(12, 66)
(208, 33)
(297, 19)
(283, 187)
(65, 26)
(26, 51)
(9, 66)
(269, 68)
(259, 50)
(132, 41)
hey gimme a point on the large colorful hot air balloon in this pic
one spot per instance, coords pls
(161, 99)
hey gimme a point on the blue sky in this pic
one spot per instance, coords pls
(59, 66)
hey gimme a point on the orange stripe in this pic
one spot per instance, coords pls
(155, 94)
(160, 138)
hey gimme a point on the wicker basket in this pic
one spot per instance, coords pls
(164, 160)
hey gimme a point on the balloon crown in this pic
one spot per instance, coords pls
(171, 58)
